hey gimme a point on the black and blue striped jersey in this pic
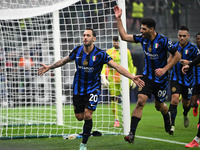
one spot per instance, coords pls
(189, 52)
(89, 66)
(196, 74)
(156, 54)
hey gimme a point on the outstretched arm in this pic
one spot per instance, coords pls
(123, 71)
(124, 36)
(57, 64)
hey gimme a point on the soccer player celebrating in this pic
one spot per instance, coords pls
(87, 82)
(155, 47)
(196, 89)
(196, 140)
(180, 83)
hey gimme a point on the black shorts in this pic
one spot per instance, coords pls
(196, 89)
(177, 88)
(89, 101)
(159, 90)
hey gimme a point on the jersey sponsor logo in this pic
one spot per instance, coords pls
(78, 57)
(86, 69)
(152, 56)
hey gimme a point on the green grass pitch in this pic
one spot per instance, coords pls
(150, 135)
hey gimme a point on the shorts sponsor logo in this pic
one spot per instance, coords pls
(173, 89)
(140, 88)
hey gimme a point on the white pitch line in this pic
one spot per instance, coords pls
(162, 140)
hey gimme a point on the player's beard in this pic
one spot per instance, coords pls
(147, 36)
(183, 43)
(89, 43)
(116, 47)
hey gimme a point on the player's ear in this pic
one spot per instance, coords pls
(94, 39)
(152, 29)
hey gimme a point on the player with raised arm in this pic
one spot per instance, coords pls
(155, 47)
(181, 84)
(89, 61)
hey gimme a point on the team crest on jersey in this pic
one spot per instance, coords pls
(85, 62)
(140, 89)
(186, 51)
(150, 49)
(173, 89)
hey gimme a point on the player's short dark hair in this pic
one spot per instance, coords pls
(149, 22)
(93, 32)
(184, 28)
(115, 38)
(197, 34)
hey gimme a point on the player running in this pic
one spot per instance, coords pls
(155, 47)
(182, 83)
(89, 61)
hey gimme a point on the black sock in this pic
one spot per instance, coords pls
(186, 110)
(173, 111)
(166, 116)
(87, 130)
(134, 123)
(198, 133)
(194, 105)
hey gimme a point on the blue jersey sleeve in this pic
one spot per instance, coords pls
(72, 55)
(170, 47)
(195, 51)
(106, 57)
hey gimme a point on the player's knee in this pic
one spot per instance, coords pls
(79, 117)
(175, 99)
(88, 114)
(87, 117)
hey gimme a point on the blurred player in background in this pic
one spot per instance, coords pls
(196, 89)
(156, 48)
(111, 78)
(89, 62)
(196, 140)
(182, 83)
